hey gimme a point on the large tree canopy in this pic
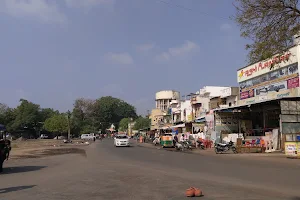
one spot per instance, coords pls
(83, 116)
(142, 123)
(46, 113)
(112, 110)
(57, 124)
(7, 115)
(123, 125)
(270, 24)
(26, 115)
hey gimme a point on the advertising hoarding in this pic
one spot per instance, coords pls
(266, 66)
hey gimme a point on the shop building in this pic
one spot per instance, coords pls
(268, 98)
(164, 98)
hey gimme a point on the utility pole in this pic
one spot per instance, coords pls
(69, 125)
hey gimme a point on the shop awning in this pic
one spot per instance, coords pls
(179, 126)
(165, 127)
(200, 119)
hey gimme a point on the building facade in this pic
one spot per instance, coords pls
(164, 98)
(271, 79)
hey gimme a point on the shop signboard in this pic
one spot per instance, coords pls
(293, 83)
(226, 92)
(294, 92)
(263, 67)
(276, 87)
(247, 94)
(276, 84)
(190, 117)
(292, 148)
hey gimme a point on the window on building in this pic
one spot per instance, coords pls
(229, 104)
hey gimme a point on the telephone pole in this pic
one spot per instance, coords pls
(69, 125)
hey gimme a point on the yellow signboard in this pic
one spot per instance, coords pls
(292, 149)
(190, 117)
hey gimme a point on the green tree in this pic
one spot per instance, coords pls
(270, 25)
(142, 123)
(7, 115)
(26, 117)
(46, 113)
(110, 110)
(123, 125)
(83, 118)
(57, 124)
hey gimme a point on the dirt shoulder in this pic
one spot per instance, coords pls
(41, 148)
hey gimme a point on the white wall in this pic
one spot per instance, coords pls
(186, 105)
(167, 94)
(232, 99)
(214, 91)
(204, 104)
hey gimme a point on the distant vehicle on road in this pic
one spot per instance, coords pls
(45, 136)
(88, 136)
(121, 140)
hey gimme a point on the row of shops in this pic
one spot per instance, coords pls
(267, 115)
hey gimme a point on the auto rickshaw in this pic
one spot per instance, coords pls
(5, 147)
(166, 140)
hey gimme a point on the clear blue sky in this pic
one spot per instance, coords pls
(54, 51)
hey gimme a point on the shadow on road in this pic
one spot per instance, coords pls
(13, 189)
(13, 170)
(295, 198)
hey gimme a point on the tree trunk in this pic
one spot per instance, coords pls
(1, 162)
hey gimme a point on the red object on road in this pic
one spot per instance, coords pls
(198, 192)
(190, 192)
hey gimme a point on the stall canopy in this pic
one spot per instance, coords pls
(179, 126)
(165, 128)
(200, 119)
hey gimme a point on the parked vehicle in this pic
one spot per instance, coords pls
(178, 146)
(187, 145)
(44, 136)
(156, 141)
(166, 140)
(88, 137)
(201, 144)
(220, 147)
(121, 140)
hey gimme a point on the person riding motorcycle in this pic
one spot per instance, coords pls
(5, 147)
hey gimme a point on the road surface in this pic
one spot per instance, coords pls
(142, 173)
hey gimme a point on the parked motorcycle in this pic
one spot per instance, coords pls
(187, 145)
(178, 146)
(201, 144)
(220, 147)
(156, 141)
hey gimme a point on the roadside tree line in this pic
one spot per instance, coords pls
(88, 115)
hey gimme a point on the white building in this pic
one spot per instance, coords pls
(211, 91)
(176, 110)
(186, 110)
(164, 98)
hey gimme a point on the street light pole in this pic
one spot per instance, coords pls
(69, 125)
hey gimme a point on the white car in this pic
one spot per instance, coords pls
(121, 141)
(87, 136)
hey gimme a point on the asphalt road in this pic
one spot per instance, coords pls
(142, 173)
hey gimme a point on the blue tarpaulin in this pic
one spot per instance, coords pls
(199, 120)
